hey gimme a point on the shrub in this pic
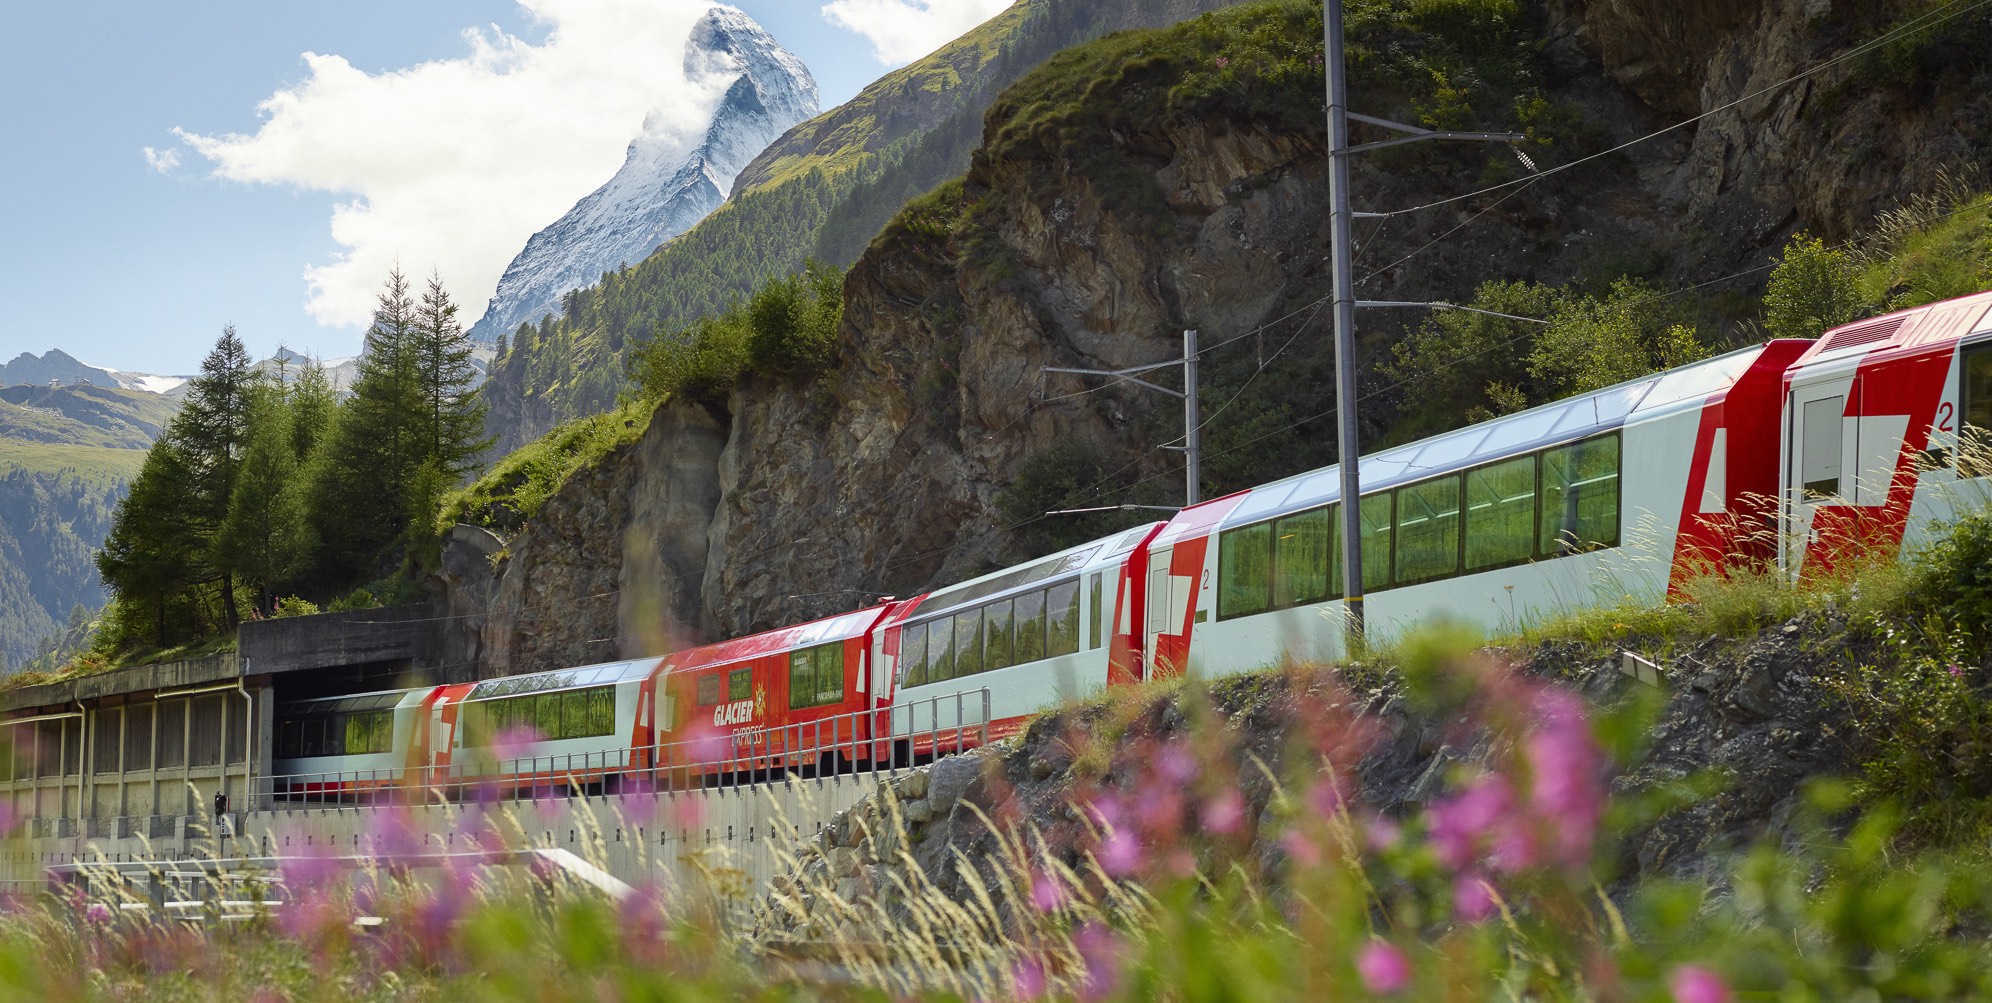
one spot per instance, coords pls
(290, 606)
(793, 323)
(700, 364)
(1811, 290)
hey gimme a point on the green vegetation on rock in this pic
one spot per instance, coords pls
(513, 490)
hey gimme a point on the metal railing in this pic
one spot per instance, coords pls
(867, 741)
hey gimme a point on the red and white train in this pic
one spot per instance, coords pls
(1794, 451)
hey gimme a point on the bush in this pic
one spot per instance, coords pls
(1812, 290)
(793, 323)
(700, 364)
(290, 606)
(1954, 570)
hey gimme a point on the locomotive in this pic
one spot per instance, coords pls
(1798, 453)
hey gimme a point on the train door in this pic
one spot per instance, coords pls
(1819, 462)
(1155, 599)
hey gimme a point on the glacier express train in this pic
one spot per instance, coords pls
(1792, 451)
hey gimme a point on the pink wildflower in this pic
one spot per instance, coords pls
(1120, 853)
(1099, 949)
(98, 913)
(1383, 968)
(1473, 899)
(1046, 893)
(1225, 813)
(1382, 833)
(1176, 765)
(1325, 797)
(1460, 823)
(1956, 671)
(1301, 848)
(1695, 984)
(1027, 979)
(1223, 61)
(1565, 765)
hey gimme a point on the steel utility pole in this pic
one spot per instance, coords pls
(1192, 418)
(1348, 447)
(1192, 442)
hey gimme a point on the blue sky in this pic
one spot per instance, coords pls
(125, 265)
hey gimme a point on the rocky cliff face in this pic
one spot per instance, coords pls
(662, 189)
(883, 475)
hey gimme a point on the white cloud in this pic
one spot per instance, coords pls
(162, 161)
(901, 31)
(452, 164)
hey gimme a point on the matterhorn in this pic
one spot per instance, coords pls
(662, 190)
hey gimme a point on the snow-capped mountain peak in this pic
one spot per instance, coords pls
(662, 190)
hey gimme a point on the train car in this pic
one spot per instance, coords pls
(582, 727)
(793, 697)
(1032, 634)
(1887, 432)
(346, 746)
(1620, 492)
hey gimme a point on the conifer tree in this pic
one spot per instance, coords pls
(266, 539)
(358, 497)
(151, 552)
(312, 402)
(453, 413)
(381, 436)
(212, 432)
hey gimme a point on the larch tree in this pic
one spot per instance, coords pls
(453, 412)
(358, 499)
(212, 432)
(151, 553)
(266, 539)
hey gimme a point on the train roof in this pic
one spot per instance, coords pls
(1072, 561)
(599, 674)
(842, 627)
(1567, 420)
(1903, 331)
(355, 702)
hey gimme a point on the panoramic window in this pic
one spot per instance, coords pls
(968, 642)
(1428, 530)
(1244, 571)
(1300, 558)
(1580, 496)
(1062, 610)
(1030, 627)
(997, 649)
(913, 655)
(1376, 518)
(1500, 513)
(740, 684)
(940, 649)
(816, 675)
(1974, 401)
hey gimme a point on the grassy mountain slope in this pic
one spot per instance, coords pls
(67, 456)
(821, 191)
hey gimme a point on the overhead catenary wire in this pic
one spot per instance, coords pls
(1928, 20)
